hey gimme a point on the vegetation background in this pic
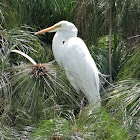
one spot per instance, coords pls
(38, 104)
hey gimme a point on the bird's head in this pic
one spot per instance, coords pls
(60, 26)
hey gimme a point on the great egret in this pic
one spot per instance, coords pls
(73, 56)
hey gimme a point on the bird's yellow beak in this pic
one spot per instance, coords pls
(47, 29)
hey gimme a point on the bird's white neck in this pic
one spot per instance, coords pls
(59, 40)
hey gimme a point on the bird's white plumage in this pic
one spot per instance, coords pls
(73, 56)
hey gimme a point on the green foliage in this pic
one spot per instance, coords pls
(37, 92)
(7, 17)
(8, 132)
(124, 104)
(49, 128)
(100, 55)
(125, 95)
(87, 126)
(38, 13)
(92, 19)
(42, 12)
(129, 21)
(131, 68)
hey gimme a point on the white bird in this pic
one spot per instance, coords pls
(73, 56)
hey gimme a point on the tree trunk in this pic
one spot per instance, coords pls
(110, 39)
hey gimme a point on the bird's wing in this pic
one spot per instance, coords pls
(80, 68)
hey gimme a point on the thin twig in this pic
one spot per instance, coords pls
(25, 55)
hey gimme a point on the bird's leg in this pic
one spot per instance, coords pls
(83, 101)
